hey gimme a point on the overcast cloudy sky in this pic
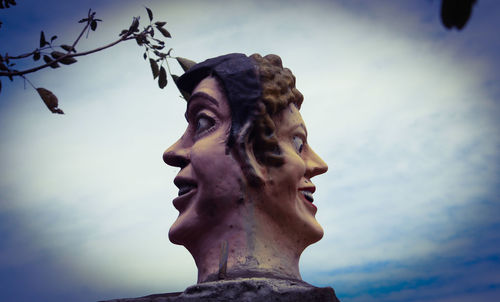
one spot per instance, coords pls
(405, 113)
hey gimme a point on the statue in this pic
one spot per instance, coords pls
(245, 199)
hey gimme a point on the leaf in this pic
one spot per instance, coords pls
(168, 52)
(144, 56)
(150, 14)
(185, 63)
(93, 25)
(3, 67)
(159, 54)
(162, 79)
(50, 100)
(53, 38)
(68, 48)
(43, 42)
(123, 32)
(0, 86)
(134, 27)
(164, 32)
(83, 20)
(36, 55)
(68, 60)
(48, 60)
(154, 68)
(57, 54)
(138, 40)
(160, 24)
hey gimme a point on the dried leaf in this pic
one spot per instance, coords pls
(185, 63)
(123, 32)
(168, 52)
(144, 55)
(43, 42)
(83, 20)
(68, 48)
(160, 24)
(50, 100)
(162, 79)
(53, 38)
(93, 25)
(164, 32)
(154, 68)
(3, 67)
(150, 14)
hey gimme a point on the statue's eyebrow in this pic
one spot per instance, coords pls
(202, 95)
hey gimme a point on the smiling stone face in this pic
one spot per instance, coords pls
(288, 189)
(210, 179)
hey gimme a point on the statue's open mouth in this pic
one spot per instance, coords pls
(308, 195)
(185, 189)
(185, 185)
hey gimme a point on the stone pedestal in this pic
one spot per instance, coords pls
(245, 290)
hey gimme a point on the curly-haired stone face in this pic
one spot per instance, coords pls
(245, 202)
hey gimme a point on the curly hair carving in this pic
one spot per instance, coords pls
(259, 131)
(278, 91)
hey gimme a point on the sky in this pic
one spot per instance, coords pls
(405, 113)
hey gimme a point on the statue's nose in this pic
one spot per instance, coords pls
(176, 155)
(314, 164)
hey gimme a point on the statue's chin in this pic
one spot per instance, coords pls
(313, 235)
(179, 233)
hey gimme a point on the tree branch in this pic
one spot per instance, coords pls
(68, 55)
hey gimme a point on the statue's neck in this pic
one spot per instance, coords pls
(245, 247)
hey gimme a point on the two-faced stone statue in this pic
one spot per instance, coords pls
(246, 192)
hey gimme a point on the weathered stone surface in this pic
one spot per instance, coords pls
(245, 290)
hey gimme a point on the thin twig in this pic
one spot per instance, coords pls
(67, 55)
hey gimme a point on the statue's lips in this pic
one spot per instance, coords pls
(307, 196)
(187, 188)
(181, 202)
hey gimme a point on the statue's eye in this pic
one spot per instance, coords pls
(203, 123)
(298, 143)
